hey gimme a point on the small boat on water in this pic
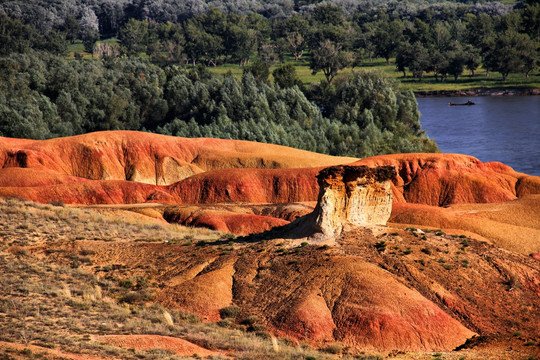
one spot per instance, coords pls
(469, 102)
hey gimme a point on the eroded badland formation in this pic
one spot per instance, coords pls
(397, 255)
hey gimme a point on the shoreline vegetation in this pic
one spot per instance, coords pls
(477, 92)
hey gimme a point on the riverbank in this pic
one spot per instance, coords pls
(477, 92)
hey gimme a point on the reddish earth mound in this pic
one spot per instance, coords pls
(248, 185)
(204, 291)
(22, 177)
(432, 179)
(317, 295)
(442, 179)
(150, 158)
(150, 342)
(364, 307)
(231, 185)
(513, 225)
(91, 192)
(224, 221)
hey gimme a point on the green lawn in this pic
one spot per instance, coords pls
(78, 47)
(465, 81)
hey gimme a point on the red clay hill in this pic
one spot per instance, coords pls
(369, 288)
(148, 158)
(124, 167)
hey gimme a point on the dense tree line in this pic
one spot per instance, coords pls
(155, 78)
(108, 16)
(44, 95)
(440, 38)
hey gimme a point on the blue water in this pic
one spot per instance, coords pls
(497, 128)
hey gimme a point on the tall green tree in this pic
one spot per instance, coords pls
(71, 27)
(133, 36)
(512, 53)
(531, 20)
(89, 41)
(200, 43)
(14, 36)
(286, 77)
(387, 38)
(329, 59)
(456, 62)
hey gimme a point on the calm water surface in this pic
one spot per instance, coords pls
(497, 128)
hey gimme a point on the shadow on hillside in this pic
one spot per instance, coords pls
(298, 229)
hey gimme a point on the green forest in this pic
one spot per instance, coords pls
(149, 64)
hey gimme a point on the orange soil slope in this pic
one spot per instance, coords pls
(432, 179)
(249, 185)
(149, 158)
(319, 297)
(513, 225)
(443, 179)
(91, 192)
(224, 221)
(149, 342)
(23, 177)
(231, 185)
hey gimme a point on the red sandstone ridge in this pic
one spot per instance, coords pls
(443, 179)
(248, 185)
(433, 179)
(319, 296)
(123, 167)
(224, 221)
(91, 193)
(149, 158)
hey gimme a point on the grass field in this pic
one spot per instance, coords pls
(428, 83)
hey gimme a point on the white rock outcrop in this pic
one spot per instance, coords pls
(356, 195)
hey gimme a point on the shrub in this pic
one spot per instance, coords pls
(230, 312)
(250, 320)
(335, 348)
(380, 246)
(224, 323)
(57, 203)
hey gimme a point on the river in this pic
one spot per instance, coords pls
(497, 128)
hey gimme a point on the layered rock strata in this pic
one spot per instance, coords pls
(356, 195)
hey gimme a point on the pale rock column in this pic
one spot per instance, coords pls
(356, 195)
